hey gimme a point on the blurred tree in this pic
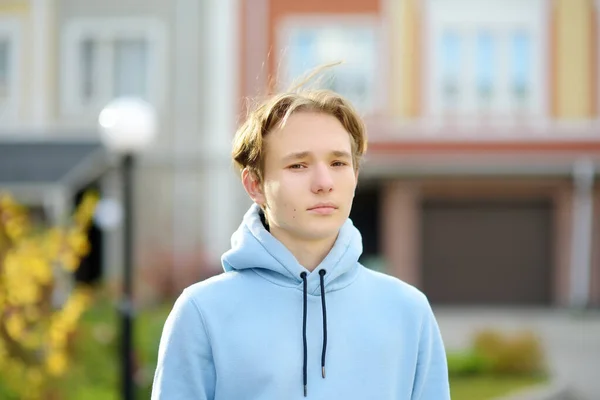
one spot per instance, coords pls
(35, 331)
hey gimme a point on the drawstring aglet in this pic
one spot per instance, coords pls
(304, 390)
(323, 371)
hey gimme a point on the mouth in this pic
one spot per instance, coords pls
(323, 208)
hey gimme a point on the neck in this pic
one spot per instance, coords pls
(309, 253)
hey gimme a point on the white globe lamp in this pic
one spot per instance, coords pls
(127, 125)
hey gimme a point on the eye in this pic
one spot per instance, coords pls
(339, 164)
(296, 166)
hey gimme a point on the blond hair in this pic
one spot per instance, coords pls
(249, 142)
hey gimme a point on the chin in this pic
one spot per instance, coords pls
(323, 230)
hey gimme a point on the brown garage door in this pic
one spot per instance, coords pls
(494, 253)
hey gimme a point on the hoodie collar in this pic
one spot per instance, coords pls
(253, 247)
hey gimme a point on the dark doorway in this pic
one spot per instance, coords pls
(365, 215)
(90, 270)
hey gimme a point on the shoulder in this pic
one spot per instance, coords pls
(216, 286)
(194, 306)
(208, 293)
(394, 290)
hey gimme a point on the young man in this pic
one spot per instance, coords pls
(295, 315)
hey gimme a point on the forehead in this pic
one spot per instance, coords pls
(309, 132)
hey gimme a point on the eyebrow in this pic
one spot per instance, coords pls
(305, 154)
(341, 154)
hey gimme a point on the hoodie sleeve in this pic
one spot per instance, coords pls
(185, 368)
(431, 377)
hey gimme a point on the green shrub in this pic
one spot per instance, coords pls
(517, 354)
(488, 342)
(467, 363)
(494, 353)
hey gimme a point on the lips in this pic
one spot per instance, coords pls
(323, 206)
(323, 209)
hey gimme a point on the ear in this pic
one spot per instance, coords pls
(253, 187)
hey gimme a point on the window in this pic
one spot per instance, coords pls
(4, 69)
(489, 61)
(484, 66)
(472, 76)
(114, 58)
(520, 71)
(89, 73)
(130, 68)
(450, 55)
(306, 45)
(9, 71)
(125, 60)
(115, 68)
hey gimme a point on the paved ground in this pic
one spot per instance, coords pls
(572, 341)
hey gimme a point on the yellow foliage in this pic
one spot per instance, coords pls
(56, 363)
(15, 326)
(34, 335)
(519, 353)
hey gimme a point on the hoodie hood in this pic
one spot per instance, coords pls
(253, 247)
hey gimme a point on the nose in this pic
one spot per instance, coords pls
(322, 181)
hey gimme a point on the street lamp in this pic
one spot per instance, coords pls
(127, 126)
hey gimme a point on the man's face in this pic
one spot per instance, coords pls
(309, 179)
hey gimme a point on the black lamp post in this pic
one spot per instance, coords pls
(126, 306)
(127, 126)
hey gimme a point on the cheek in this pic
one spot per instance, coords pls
(282, 200)
(279, 196)
(347, 182)
(273, 191)
(283, 187)
(348, 196)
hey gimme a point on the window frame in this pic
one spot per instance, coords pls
(109, 30)
(289, 24)
(504, 19)
(11, 29)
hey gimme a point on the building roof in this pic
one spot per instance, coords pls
(41, 164)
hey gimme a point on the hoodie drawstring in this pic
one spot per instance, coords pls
(324, 310)
(303, 275)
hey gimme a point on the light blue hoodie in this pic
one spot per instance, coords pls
(262, 331)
